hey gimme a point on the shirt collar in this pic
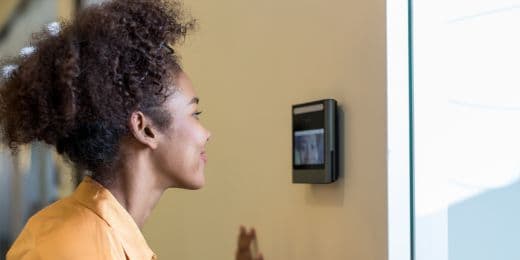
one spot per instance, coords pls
(99, 199)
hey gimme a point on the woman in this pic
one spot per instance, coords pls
(108, 92)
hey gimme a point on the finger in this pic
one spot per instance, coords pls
(250, 234)
(243, 255)
(260, 257)
(243, 245)
(243, 240)
(242, 232)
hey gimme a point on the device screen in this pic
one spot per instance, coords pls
(308, 147)
(308, 138)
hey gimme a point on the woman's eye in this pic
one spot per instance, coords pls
(196, 114)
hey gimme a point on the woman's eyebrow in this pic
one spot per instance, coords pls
(194, 100)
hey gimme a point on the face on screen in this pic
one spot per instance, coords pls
(309, 147)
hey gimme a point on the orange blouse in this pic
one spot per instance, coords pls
(89, 224)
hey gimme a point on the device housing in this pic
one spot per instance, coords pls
(315, 150)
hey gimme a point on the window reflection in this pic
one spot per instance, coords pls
(467, 105)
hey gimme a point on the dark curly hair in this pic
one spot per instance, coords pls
(78, 89)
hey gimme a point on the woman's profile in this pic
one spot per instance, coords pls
(108, 91)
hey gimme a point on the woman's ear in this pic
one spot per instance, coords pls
(143, 130)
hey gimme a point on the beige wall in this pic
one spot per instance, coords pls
(250, 61)
(6, 8)
(65, 9)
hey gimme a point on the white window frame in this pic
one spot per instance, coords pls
(400, 209)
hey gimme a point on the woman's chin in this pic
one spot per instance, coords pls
(194, 187)
(194, 184)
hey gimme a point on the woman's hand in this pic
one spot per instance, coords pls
(247, 245)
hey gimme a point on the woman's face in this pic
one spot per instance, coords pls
(180, 154)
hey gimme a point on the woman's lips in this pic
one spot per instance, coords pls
(204, 157)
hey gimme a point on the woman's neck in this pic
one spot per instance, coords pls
(136, 188)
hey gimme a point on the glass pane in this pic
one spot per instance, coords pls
(467, 129)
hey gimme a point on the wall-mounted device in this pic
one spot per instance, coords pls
(315, 142)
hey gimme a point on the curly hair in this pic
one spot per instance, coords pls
(78, 89)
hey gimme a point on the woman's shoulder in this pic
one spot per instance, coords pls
(67, 218)
(66, 207)
(65, 227)
(64, 213)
